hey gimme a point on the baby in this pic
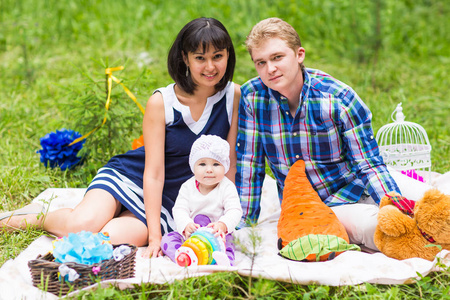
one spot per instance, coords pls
(208, 199)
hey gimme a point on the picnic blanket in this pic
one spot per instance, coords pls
(350, 268)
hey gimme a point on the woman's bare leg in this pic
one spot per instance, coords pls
(96, 209)
(99, 211)
(127, 229)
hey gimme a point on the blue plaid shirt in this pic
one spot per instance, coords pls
(331, 131)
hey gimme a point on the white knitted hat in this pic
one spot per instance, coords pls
(210, 146)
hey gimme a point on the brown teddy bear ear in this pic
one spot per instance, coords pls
(432, 212)
(387, 200)
(431, 197)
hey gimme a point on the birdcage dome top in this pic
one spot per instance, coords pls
(404, 145)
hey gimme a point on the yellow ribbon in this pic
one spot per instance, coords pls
(110, 79)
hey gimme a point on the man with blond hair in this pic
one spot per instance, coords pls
(290, 112)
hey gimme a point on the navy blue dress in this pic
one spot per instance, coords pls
(122, 176)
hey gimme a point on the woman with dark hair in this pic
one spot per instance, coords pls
(132, 196)
(198, 35)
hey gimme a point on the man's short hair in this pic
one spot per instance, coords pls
(272, 28)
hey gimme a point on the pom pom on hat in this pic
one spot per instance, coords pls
(210, 146)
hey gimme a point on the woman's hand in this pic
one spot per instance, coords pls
(153, 249)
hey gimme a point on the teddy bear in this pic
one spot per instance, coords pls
(308, 230)
(407, 229)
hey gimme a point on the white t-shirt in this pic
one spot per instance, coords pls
(221, 204)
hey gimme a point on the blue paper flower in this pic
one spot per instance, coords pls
(83, 247)
(56, 151)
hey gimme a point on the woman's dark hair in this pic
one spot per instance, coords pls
(199, 32)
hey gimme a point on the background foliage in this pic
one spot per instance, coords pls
(53, 54)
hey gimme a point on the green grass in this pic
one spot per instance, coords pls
(52, 60)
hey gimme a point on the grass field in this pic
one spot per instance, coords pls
(52, 60)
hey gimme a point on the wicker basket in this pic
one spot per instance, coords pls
(44, 272)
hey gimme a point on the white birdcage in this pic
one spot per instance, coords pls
(405, 145)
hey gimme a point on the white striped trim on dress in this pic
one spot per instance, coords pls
(129, 192)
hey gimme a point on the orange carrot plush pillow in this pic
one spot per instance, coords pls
(308, 229)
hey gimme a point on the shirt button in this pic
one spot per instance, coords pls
(238, 144)
(295, 133)
(297, 156)
(287, 113)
